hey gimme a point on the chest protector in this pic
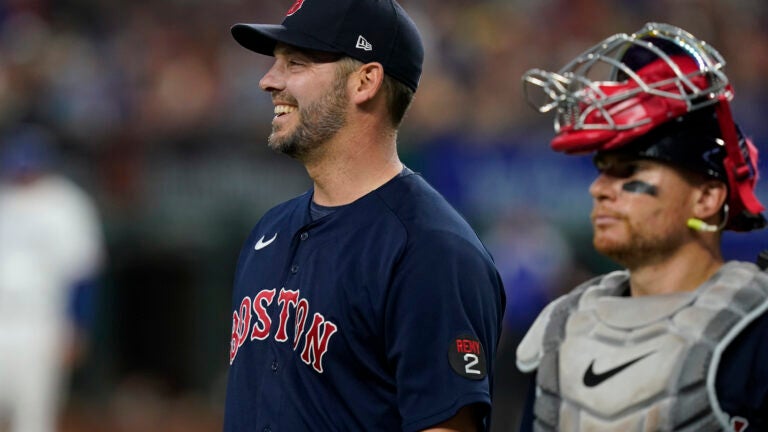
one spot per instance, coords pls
(607, 361)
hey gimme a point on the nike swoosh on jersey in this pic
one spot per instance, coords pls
(592, 379)
(261, 244)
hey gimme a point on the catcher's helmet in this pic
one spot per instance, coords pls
(659, 93)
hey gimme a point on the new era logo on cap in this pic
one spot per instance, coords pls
(363, 44)
(338, 26)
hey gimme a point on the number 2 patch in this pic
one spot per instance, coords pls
(467, 357)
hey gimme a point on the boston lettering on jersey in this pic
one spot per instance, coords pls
(251, 319)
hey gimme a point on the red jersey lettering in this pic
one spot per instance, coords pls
(301, 317)
(257, 309)
(263, 322)
(315, 344)
(241, 321)
(286, 298)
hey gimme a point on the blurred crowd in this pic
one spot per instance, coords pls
(157, 114)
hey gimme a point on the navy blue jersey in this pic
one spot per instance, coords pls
(741, 384)
(742, 378)
(383, 315)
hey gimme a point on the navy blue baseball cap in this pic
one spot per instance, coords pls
(366, 30)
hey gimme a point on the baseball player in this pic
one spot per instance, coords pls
(678, 340)
(51, 249)
(367, 303)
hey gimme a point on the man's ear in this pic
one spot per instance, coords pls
(366, 82)
(709, 199)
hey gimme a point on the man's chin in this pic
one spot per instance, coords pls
(609, 248)
(278, 143)
(286, 147)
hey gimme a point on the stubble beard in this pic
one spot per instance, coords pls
(638, 248)
(318, 122)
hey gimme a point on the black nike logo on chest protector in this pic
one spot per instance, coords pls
(592, 379)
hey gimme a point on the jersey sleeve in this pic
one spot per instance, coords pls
(442, 326)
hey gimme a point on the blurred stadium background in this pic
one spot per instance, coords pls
(158, 115)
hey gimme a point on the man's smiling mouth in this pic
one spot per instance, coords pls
(284, 109)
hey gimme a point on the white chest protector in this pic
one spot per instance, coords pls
(607, 362)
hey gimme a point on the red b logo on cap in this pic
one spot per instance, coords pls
(296, 6)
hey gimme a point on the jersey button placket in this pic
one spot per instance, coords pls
(302, 237)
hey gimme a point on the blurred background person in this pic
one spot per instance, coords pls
(51, 251)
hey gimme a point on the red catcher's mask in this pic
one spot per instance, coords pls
(627, 85)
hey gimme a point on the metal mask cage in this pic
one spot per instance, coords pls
(584, 86)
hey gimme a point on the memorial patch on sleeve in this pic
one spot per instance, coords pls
(467, 357)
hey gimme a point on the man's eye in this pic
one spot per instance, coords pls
(621, 170)
(624, 170)
(296, 61)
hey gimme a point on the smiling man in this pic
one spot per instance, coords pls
(367, 303)
(678, 340)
